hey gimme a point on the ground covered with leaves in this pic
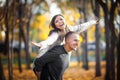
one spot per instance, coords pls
(74, 72)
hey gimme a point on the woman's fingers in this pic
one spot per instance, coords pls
(97, 19)
(36, 44)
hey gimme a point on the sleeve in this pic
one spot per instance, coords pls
(50, 56)
(50, 40)
(82, 27)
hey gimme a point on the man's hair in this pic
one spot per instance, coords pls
(69, 34)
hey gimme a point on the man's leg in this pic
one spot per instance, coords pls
(38, 75)
(34, 69)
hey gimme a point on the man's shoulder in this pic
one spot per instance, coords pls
(58, 47)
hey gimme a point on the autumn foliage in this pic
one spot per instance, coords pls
(74, 72)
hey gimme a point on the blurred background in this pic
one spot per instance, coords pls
(23, 21)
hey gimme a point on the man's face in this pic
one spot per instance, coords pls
(72, 41)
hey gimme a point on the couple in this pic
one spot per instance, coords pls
(52, 64)
(43, 67)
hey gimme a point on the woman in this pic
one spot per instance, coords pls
(60, 28)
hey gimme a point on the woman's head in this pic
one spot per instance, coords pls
(58, 22)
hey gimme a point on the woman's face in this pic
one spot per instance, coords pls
(60, 22)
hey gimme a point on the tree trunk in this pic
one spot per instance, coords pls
(2, 77)
(27, 43)
(110, 38)
(20, 35)
(19, 53)
(107, 39)
(113, 41)
(78, 56)
(27, 37)
(97, 34)
(118, 57)
(86, 50)
(21, 6)
(10, 70)
(118, 52)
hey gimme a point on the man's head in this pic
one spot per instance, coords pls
(71, 41)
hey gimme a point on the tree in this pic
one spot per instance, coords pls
(118, 56)
(96, 9)
(2, 38)
(82, 7)
(118, 48)
(85, 65)
(110, 36)
(2, 77)
(10, 71)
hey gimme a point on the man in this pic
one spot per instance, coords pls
(54, 62)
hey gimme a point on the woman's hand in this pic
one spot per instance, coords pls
(37, 44)
(97, 19)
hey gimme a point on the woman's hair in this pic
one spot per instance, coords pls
(52, 24)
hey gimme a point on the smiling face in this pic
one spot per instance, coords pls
(71, 42)
(60, 22)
